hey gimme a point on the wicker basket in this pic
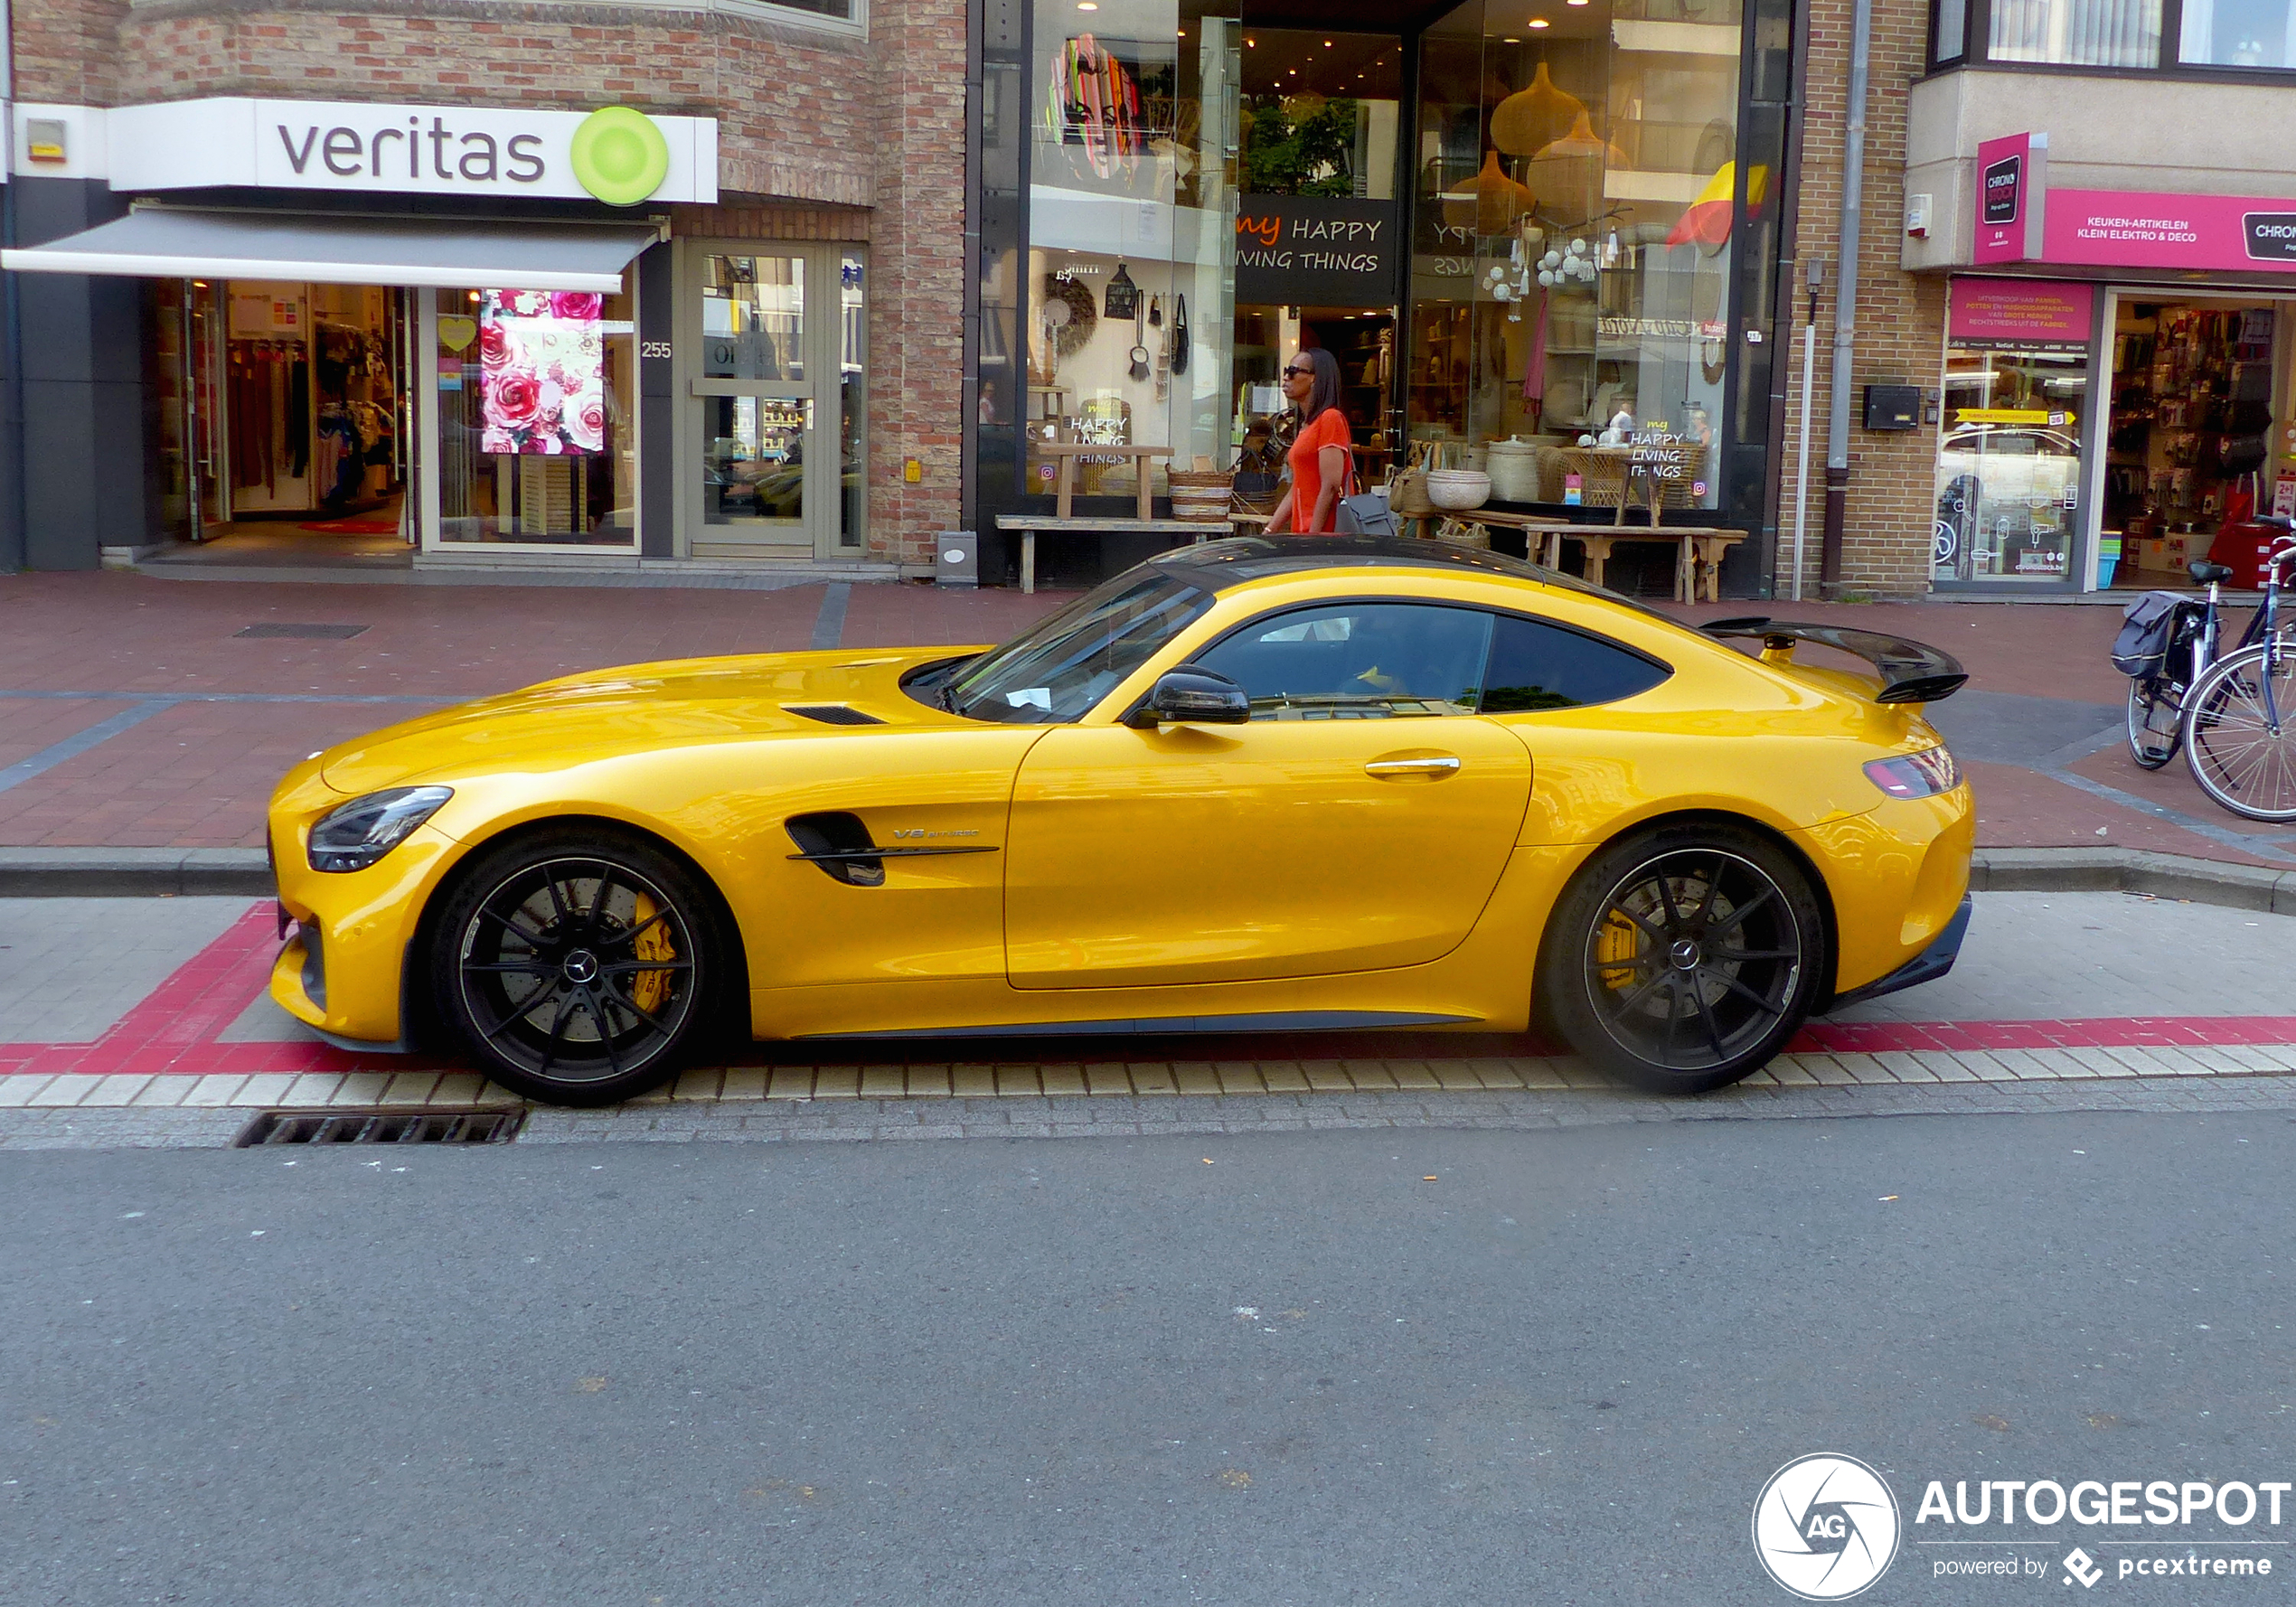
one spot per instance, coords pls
(1200, 496)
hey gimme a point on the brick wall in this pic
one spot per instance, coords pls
(67, 50)
(917, 297)
(1900, 332)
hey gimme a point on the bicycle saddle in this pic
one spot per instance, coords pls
(2203, 572)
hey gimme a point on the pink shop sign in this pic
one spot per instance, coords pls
(2140, 229)
(2019, 314)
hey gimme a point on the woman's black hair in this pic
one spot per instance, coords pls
(1323, 390)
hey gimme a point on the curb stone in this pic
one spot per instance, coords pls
(147, 872)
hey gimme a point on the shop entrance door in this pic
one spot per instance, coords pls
(2197, 385)
(772, 340)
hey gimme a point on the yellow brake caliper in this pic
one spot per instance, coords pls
(1615, 949)
(649, 989)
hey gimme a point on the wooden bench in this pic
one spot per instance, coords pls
(1060, 521)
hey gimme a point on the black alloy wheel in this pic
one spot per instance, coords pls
(2156, 711)
(576, 970)
(1682, 959)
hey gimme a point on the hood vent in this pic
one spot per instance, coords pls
(832, 714)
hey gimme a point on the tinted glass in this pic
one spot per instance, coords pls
(1537, 665)
(1060, 667)
(1358, 660)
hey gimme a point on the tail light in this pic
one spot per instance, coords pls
(1922, 774)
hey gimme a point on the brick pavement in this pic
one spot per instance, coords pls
(195, 775)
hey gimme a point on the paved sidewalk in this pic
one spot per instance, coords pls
(2052, 989)
(134, 713)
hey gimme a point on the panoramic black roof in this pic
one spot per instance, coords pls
(1219, 565)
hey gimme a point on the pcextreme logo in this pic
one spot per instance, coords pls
(1826, 1526)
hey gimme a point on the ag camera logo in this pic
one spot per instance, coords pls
(1826, 1526)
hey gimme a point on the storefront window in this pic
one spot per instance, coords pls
(1131, 236)
(2009, 462)
(1577, 180)
(537, 438)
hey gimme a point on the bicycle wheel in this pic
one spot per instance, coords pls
(2155, 705)
(2235, 753)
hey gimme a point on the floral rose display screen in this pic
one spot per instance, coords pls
(542, 372)
(535, 408)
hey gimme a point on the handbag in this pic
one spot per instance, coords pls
(1123, 299)
(1363, 512)
(1180, 334)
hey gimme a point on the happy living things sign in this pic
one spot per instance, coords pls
(1315, 251)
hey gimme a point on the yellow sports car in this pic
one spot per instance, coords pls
(1252, 786)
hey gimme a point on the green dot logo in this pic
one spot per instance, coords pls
(619, 155)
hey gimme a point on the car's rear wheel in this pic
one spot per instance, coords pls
(1682, 959)
(578, 969)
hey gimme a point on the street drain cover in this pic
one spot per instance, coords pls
(306, 633)
(379, 1127)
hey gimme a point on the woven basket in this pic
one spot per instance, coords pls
(1199, 496)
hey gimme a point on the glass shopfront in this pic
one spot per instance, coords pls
(1578, 184)
(1548, 226)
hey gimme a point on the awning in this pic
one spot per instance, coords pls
(171, 243)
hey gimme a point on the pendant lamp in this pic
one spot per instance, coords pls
(1569, 171)
(1491, 204)
(1530, 119)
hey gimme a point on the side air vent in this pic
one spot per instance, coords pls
(832, 714)
(840, 844)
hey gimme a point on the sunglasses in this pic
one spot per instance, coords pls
(1299, 373)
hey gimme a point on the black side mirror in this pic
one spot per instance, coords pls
(1192, 695)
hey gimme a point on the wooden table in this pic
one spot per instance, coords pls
(1064, 489)
(1027, 525)
(1698, 548)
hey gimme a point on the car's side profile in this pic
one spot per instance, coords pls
(1250, 785)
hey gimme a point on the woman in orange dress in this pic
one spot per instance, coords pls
(1322, 456)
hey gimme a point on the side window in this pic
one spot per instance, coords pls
(1358, 660)
(1537, 665)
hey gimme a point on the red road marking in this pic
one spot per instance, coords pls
(175, 1031)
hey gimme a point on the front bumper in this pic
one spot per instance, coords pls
(1927, 966)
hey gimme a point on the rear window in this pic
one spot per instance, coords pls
(1537, 665)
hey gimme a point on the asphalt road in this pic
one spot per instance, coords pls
(1098, 1371)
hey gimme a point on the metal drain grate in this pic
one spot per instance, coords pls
(306, 633)
(379, 1127)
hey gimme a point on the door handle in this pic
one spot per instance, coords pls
(1443, 766)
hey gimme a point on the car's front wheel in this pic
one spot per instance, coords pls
(1682, 959)
(578, 969)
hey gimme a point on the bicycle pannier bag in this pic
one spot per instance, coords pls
(2150, 626)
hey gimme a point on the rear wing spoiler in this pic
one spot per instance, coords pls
(1911, 672)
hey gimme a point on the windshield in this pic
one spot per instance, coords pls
(1058, 669)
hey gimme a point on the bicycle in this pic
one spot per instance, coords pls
(2236, 741)
(2157, 700)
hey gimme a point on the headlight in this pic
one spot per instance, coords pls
(1922, 774)
(360, 832)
